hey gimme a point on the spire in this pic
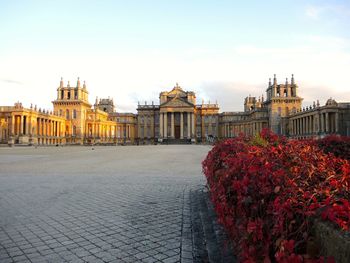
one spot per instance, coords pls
(61, 83)
(269, 82)
(274, 79)
(78, 83)
(292, 80)
(286, 81)
(84, 85)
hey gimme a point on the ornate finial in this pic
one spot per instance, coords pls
(68, 85)
(78, 83)
(61, 83)
(262, 97)
(31, 105)
(318, 103)
(84, 85)
(269, 82)
(286, 81)
(292, 81)
(274, 79)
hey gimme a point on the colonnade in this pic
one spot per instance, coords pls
(324, 122)
(105, 131)
(47, 127)
(164, 125)
(22, 125)
(232, 129)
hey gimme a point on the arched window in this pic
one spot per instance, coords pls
(68, 95)
(62, 94)
(74, 130)
(74, 114)
(67, 114)
(61, 112)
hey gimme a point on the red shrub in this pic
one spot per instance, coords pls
(338, 145)
(265, 189)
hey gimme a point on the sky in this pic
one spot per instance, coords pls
(132, 50)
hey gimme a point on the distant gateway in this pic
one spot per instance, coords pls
(176, 119)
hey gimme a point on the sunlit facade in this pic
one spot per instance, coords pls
(177, 118)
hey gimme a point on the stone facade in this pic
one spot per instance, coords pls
(317, 121)
(19, 125)
(176, 119)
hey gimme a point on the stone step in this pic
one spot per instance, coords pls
(210, 244)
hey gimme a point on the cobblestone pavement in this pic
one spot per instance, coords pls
(110, 204)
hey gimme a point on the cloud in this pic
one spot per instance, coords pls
(229, 95)
(314, 12)
(227, 75)
(318, 12)
(11, 81)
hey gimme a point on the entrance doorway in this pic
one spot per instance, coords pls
(177, 132)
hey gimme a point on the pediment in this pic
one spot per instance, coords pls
(178, 92)
(177, 102)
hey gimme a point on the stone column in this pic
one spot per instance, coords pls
(307, 125)
(327, 122)
(193, 126)
(181, 125)
(172, 125)
(13, 125)
(29, 125)
(336, 122)
(152, 126)
(188, 125)
(161, 125)
(21, 125)
(299, 126)
(165, 125)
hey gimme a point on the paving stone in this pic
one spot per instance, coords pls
(113, 204)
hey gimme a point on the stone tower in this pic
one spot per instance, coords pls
(72, 103)
(106, 105)
(282, 99)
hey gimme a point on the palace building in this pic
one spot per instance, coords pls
(177, 118)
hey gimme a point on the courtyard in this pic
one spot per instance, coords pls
(101, 204)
